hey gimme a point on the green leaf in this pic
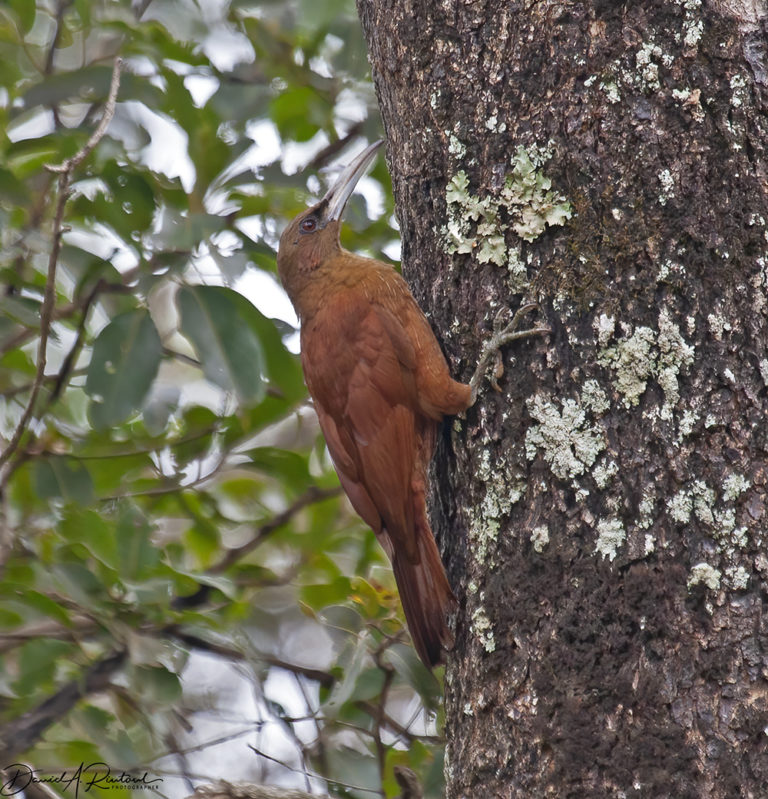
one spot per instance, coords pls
(368, 684)
(344, 690)
(116, 473)
(320, 596)
(12, 190)
(27, 157)
(34, 599)
(291, 468)
(59, 476)
(38, 660)
(86, 85)
(126, 356)
(25, 10)
(136, 553)
(24, 310)
(156, 685)
(129, 205)
(351, 767)
(77, 581)
(84, 11)
(282, 367)
(220, 323)
(203, 541)
(299, 112)
(10, 619)
(93, 531)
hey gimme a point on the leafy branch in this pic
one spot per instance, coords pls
(65, 172)
(21, 734)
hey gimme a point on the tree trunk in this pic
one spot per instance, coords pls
(604, 515)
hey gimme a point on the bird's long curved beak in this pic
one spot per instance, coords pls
(340, 192)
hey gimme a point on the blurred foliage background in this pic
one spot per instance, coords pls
(184, 590)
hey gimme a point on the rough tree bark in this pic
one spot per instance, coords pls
(604, 517)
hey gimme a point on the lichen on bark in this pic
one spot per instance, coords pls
(610, 637)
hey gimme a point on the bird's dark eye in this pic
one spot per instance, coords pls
(308, 225)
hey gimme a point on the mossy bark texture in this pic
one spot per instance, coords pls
(604, 515)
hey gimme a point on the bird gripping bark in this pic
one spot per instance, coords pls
(381, 387)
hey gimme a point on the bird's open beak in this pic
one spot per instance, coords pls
(339, 193)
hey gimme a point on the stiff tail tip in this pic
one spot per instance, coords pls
(427, 602)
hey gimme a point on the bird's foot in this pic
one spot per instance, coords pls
(503, 335)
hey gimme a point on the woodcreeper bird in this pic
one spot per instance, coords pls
(381, 387)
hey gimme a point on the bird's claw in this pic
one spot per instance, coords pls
(503, 335)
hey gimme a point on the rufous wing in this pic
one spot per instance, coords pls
(365, 400)
(361, 369)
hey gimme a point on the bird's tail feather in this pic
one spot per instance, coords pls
(426, 597)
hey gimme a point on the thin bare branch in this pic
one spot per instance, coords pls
(331, 150)
(325, 678)
(77, 627)
(61, 9)
(180, 356)
(309, 497)
(67, 366)
(69, 166)
(394, 726)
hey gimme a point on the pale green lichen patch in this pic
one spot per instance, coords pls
(518, 271)
(643, 354)
(502, 491)
(526, 204)
(483, 629)
(529, 192)
(456, 147)
(610, 536)
(539, 537)
(687, 421)
(646, 508)
(603, 473)
(738, 577)
(697, 499)
(611, 91)
(604, 326)
(630, 358)
(740, 95)
(718, 325)
(763, 367)
(667, 186)
(734, 486)
(569, 442)
(700, 501)
(646, 61)
(484, 533)
(705, 574)
(674, 355)
(671, 271)
(680, 507)
(730, 538)
(693, 24)
(643, 74)
(703, 498)
(649, 544)
(593, 398)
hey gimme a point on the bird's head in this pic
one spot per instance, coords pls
(313, 236)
